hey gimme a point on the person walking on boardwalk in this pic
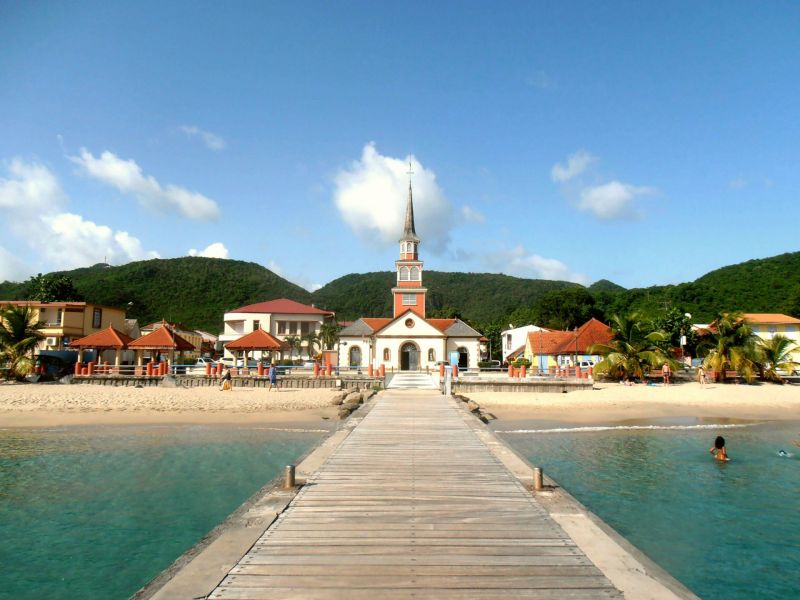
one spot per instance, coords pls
(273, 377)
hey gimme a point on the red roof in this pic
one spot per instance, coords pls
(565, 342)
(162, 338)
(376, 323)
(282, 306)
(256, 340)
(441, 324)
(107, 338)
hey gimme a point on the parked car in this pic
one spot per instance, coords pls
(200, 366)
(229, 362)
(585, 364)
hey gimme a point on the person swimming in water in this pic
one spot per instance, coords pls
(718, 449)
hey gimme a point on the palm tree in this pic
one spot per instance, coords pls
(293, 342)
(634, 349)
(734, 346)
(777, 354)
(311, 339)
(19, 335)
(328, 333)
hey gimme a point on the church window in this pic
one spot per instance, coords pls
(409, 299)
(414, 273)
(404, 274)
(409, 323)
(431, 355)
(387, 355)
(355, 356)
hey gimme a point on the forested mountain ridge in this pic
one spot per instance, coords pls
(197, 291)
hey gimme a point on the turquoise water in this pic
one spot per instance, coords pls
(726, 530)
(96, 512)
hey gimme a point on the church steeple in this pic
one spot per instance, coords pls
(409, 293)
(409, 233)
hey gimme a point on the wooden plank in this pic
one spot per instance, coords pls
(413, 505)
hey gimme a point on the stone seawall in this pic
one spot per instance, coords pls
(558, 386)
(187, 381)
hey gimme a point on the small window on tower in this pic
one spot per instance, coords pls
(409, 299)
(386, 354)
(404, 274)
(414, 273)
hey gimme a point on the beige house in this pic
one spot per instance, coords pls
(65, 322)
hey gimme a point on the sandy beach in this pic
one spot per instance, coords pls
(615, 402)
(47, 405)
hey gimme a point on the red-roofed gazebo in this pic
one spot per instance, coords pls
(163, 339)
(107, 339)
(256, 340)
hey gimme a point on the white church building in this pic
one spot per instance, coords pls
(408, 341)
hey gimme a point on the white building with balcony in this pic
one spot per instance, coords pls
(513, 340)
(282, 318)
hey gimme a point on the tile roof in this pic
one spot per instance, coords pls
(107, 338)
(771, 318)
(441, 324)
(256, 340)
(162, 338)
(282, 306)
(564, 342)
(376, 323)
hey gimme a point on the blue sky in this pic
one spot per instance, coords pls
(645, 143)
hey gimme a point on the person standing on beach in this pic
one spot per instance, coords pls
(701, 375)
(666, 372)
(273, 377)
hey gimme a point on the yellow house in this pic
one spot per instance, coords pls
(768, 325)
(68, 321)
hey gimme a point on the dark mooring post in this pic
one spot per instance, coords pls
(288, 477)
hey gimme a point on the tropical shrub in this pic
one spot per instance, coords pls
(732, 347)
(637, 348)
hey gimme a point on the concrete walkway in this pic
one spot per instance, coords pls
(414, 503)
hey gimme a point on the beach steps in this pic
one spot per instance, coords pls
(409, 380)
(413, 504)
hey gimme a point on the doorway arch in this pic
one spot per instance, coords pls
(463, 358)
(409, 357)
(355, 356)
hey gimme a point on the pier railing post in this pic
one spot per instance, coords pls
(538, 479)
(288, 477)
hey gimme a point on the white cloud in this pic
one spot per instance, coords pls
(76, 242)
(576, 164)
(371, 197)
(215, 250)
(612, 200)
(738, 183)
(518, 262)
(471, 215)
(34, 208)
(12, 268)
(128, 178)
(211, 140)
(30, 187)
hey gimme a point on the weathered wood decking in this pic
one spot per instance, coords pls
(414, 505)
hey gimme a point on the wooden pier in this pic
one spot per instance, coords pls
(414, 504)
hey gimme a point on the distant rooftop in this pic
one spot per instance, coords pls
(282, 306)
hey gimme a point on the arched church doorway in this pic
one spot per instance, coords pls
(463, 358)
(355, 356)
(409, 357)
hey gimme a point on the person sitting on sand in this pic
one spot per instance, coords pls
(273, 377)
(718, 449)
(225, 382)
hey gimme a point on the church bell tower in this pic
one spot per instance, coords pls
(409, 293)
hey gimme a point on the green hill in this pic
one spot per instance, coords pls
(197, 291)
(192, 290)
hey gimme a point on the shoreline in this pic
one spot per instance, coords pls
(50, 405)
(618, 403)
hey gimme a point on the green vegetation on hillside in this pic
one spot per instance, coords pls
(197, 291)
